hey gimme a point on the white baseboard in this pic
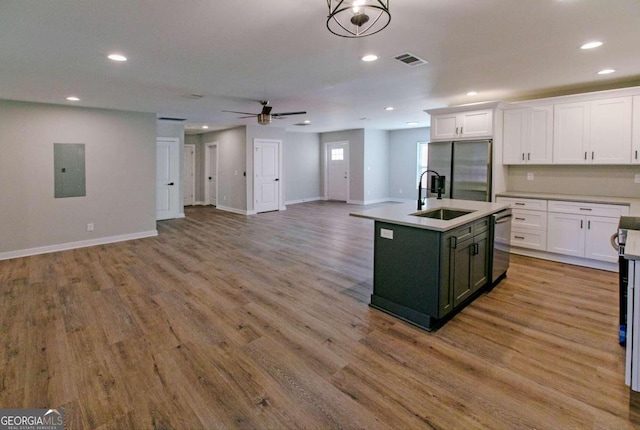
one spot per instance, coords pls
(295, 202)
(75, 245)
(576, 261)
(235, 211)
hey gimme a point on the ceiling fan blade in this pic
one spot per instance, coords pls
(288, 113)
(266, 110)
(250, 116)
(243, 113)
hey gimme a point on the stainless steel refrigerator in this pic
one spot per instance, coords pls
(466, 166)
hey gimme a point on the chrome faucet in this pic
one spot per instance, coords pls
(440, 184)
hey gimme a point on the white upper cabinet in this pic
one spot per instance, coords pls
(462, 125)
(593, 132)
(635, 140)
(528, 135)
(571, 133)
(611, 130)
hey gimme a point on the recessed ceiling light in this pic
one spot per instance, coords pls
(117, 57)
(389, 108)
(591, 45)
(369, 58)
(606, 71)
(73, 99)
(472, 93)
(204, 127)
(413, 123)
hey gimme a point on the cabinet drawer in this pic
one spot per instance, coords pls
(588, 208)
(529, 239)
(536, 220)
(480, 226)
(529, 204)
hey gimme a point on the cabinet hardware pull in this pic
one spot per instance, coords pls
(519, 204)
(588, 225)
(581, 224)
(520, 219)
(585, 155)
(454, 242)
(636, 154)
(586, 209)
(592, 154)
(523, 156)
(519, 237)
(456, 131)
(461, 132)
(529, 156)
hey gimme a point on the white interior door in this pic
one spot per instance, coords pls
(337, 173)
(167, 178)
(266, 167)
(211, 174)
(189, 175)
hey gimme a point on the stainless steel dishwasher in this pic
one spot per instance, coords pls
(501, 245)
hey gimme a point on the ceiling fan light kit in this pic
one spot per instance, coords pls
(357, 18)
(265, 116)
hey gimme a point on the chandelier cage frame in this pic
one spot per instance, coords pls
(341, 17)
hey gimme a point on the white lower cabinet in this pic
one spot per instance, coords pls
(575, 229)
(588, 236)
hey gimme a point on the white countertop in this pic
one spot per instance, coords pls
(634, 204)
(632, 245)
(400, 213)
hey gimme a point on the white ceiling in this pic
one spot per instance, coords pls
(235, 53)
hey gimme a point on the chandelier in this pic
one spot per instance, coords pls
(357, 18)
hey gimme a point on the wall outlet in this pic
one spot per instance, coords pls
(637, 179)
(530, 176)
(90, 226)
(386, 233)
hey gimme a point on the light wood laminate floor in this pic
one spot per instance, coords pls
(228, 321)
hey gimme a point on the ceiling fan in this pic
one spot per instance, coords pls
(265, 116)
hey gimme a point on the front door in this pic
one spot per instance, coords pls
(338, 171)
(266, 165)
(167, 178)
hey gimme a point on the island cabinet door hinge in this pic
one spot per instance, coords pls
(453, 242)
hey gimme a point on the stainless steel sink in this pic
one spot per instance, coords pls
(443, 213)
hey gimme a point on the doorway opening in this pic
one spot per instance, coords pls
(211, 174)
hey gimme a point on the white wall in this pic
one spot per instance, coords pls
(614, 181)
(301, 167)
(120, 177)
(403, 162)
(376, 166)
(232, 162)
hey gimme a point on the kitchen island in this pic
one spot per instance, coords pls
(426, 268)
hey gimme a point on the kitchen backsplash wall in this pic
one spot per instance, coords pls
(614, 181)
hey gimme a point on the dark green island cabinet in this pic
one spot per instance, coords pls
(423, 276)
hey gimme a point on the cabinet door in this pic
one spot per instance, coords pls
(539, 146)
(513, 132)
(635, 139)
(598, 238)
(610, 131)
(475, 124)
(571, 133)
(443, 127)
(461, 271)
(479, 261)
(566, 234)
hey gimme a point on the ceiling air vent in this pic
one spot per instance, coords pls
(168, 118)
(410, 60)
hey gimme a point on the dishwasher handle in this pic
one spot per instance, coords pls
(503, 219)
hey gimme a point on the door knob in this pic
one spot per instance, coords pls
(170, 183)
(277, 179)
(209, 177)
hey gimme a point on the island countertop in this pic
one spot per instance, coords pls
(401, 213)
